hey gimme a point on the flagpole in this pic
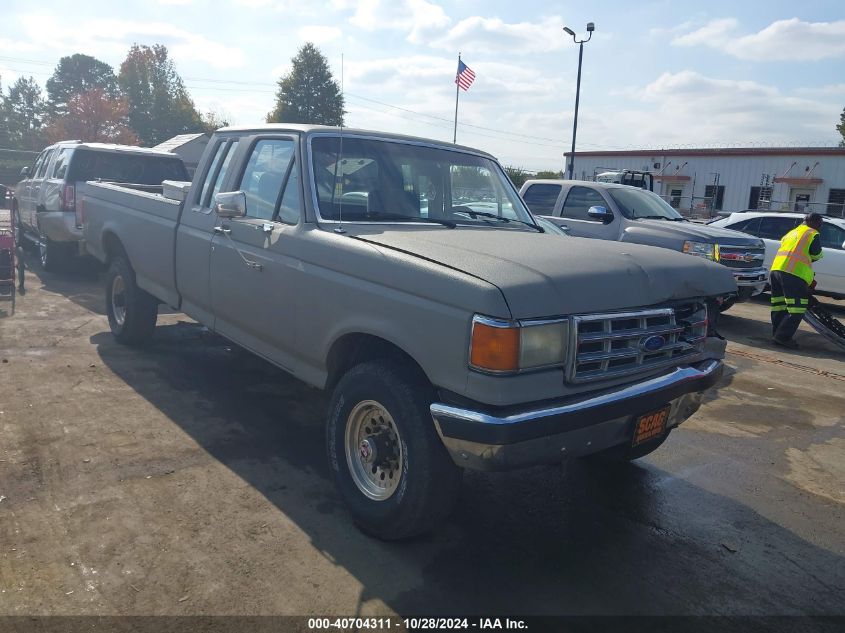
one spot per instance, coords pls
(457, 94)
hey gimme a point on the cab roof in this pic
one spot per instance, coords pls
(301, 128)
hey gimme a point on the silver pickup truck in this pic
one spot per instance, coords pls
(606, 211)
(407, 277)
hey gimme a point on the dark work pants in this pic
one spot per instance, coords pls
(790, 297)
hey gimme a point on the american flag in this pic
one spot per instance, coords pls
(465, 76)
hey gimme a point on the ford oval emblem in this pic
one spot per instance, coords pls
(652, 343)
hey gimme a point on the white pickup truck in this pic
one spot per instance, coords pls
(407, 277)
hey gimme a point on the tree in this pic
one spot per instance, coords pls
(93, 117)
(213, 120)
(517, 175)
(159, 104)
(841, 128)
(308, 93)
(548, 174)
(25, 112)
(77, 74)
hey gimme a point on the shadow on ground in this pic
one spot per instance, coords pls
(578, 538)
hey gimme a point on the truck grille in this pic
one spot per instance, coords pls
(616, 344)
(741, 256)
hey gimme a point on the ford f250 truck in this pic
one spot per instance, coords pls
(407, 277)
(607, 211)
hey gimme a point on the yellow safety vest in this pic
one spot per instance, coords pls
(793, 256)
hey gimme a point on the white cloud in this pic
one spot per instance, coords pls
(783, 40)
(176, 2)
(690, 108)
(112, 38)
(493, 35)
(418, 18)
(319, 34)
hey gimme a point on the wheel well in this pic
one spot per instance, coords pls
(352, 349)
(112, 246)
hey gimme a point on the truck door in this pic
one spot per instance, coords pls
(252, 271)
(578, 201)
(26, 205)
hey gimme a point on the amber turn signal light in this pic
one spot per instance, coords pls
(494, 348)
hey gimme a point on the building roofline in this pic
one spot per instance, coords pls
(725, 151)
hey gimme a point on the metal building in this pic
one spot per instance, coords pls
(704, 181)
(188, 146)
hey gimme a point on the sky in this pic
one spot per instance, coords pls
(661, 74)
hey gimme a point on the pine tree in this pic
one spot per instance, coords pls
(25, 112)
(308, 93)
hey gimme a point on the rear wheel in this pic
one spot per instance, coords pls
(132, 312)
(389, 464)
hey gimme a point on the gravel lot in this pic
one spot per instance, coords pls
(190, 478)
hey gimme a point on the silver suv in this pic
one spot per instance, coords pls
(45, 200)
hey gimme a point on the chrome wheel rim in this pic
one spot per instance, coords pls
(118, 300)
(42, 251)
(373, 450)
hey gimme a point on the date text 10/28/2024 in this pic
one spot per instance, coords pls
(416, 624)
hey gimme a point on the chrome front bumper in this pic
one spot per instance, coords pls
(753, 278)
(505, 439)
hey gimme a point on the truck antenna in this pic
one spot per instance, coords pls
(339, 228)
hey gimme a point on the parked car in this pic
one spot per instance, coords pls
(609, 211)
(772, 226)
(462, 337)
(46, 197)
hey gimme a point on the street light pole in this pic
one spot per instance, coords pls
(590, 28)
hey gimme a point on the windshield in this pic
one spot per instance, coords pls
(637, 204)
(389, 181)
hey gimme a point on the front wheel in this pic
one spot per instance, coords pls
(132, 312)
(389, 464)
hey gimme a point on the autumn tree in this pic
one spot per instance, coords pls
(159, 104)
(24, 110)
(308, 93)
(75, 75)
(93, 116)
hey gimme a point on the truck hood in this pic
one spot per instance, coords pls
(683, 231)
(544, 275)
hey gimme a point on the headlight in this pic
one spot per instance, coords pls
(508, 346)
(702, 249)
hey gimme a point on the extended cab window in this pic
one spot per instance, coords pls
(579, 200)
(211, 172)
(124, 166)
(541, 198)
(222, 171)
(264, 175)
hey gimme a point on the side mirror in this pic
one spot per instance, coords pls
(843, 246)
(603, 214)
(231, 204)
(25, 172)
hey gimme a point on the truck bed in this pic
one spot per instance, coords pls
(145, 223)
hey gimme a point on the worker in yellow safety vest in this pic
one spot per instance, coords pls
(791, 278)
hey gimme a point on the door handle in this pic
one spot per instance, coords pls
(222, 230)
(267, 227)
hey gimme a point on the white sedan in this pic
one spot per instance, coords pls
(771, 227)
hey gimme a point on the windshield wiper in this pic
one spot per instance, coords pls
(652, 217)
(381, 215)
(485, 214)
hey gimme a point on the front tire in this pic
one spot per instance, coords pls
(389, 465)
(132, 312)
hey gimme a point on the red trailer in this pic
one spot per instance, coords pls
(9, 261)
